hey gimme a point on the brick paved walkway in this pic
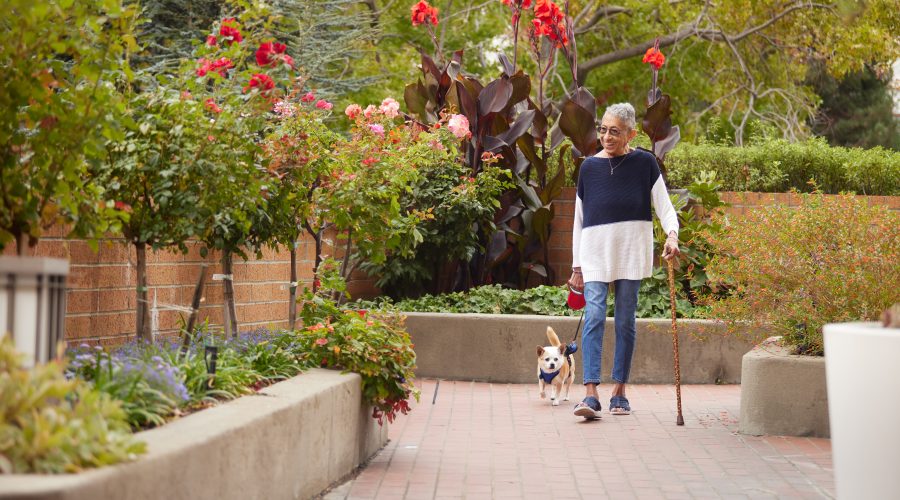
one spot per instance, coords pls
(501, 441)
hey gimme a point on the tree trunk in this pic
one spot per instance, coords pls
(21, 243)
(143, 306)
(292, 303)
(227, 268)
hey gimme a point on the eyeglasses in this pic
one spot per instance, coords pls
(611, 131)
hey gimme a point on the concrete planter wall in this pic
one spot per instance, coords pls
(783, 394)
(292, 440)
(501, 348)
(864, 379)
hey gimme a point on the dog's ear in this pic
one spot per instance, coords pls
(540, 351)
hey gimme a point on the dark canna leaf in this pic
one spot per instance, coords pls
(657, 123)
(494, 97)
(529, 195)
(518, 128)
(536, 268)
(556, 137)
(554, 187)
(540, 223)
(578, 125)
(586, 100)
(460, 97)
(507, 65)
(416, 100)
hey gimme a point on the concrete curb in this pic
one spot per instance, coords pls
(292, 440)
(502, 348)
(783, 394)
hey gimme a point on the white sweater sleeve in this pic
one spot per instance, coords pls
(576, 232)
(662, 205)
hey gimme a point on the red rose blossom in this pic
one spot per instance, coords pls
(230, 31)
(269, 53)
(212, 106)
(260, 81)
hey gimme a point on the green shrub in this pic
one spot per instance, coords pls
(653, 301)
(831, 259)
(374, 345)
(777, 165)
(52, 425)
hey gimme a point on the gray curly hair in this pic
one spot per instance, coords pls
(623, 111)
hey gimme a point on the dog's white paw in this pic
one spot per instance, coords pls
(566, 398)
(555, 402)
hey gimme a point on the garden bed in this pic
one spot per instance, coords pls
(501, 348)
(291, 440)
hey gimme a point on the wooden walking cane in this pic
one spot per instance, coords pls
(680, 419)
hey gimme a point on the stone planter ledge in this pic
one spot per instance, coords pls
(291, 440)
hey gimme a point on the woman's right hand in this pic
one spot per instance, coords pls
(576, 282)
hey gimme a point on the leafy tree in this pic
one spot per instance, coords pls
(57, 109)
(856, 110)
(744, 60)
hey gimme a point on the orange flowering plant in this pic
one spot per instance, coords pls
(793, 269)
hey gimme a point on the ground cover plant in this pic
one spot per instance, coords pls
(51, 424)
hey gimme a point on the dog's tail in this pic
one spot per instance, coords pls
(553, 338)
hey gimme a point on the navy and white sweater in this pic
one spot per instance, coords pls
(612, 237)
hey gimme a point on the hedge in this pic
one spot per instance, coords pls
(779, 166)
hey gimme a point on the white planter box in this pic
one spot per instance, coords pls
(33, 305)
(863, 375)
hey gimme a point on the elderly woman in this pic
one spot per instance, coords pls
(612, 244)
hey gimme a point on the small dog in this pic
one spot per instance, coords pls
(555, 369)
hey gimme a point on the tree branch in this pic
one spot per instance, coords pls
(601, 13)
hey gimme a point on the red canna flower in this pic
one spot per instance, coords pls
(549, 21)
(654, 58)
(230, 31)
(269, 53)
(260, 81)
(423, 13)
(211, 40)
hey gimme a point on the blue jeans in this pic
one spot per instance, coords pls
(626, 296)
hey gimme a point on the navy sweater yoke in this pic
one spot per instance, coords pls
(621, 196)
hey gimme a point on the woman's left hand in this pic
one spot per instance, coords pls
(671, 250)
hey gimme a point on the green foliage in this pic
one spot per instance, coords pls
(454, 204)
(653, 301)
(374, 345)
(779, 166)
(831, 259)
(52, 425)
(57, 109)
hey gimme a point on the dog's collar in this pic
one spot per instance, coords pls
(548, 377)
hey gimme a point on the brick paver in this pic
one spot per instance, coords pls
(483, 440)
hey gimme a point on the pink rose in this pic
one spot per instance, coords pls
(376, 129)
(390, 107)
(321, 341)
(370, 109)
(309, 97)
(323, 104)
(459, 126)
(352, 111)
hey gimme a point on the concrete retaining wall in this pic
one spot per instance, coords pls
(502, 348)
(783, 394)
(291, 441)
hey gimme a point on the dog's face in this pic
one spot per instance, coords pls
(550, 358)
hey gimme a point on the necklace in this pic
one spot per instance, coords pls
(612, 168)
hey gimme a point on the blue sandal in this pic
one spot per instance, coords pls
(618, 405)
(588, 408)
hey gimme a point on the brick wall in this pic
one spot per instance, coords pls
(101, 297)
